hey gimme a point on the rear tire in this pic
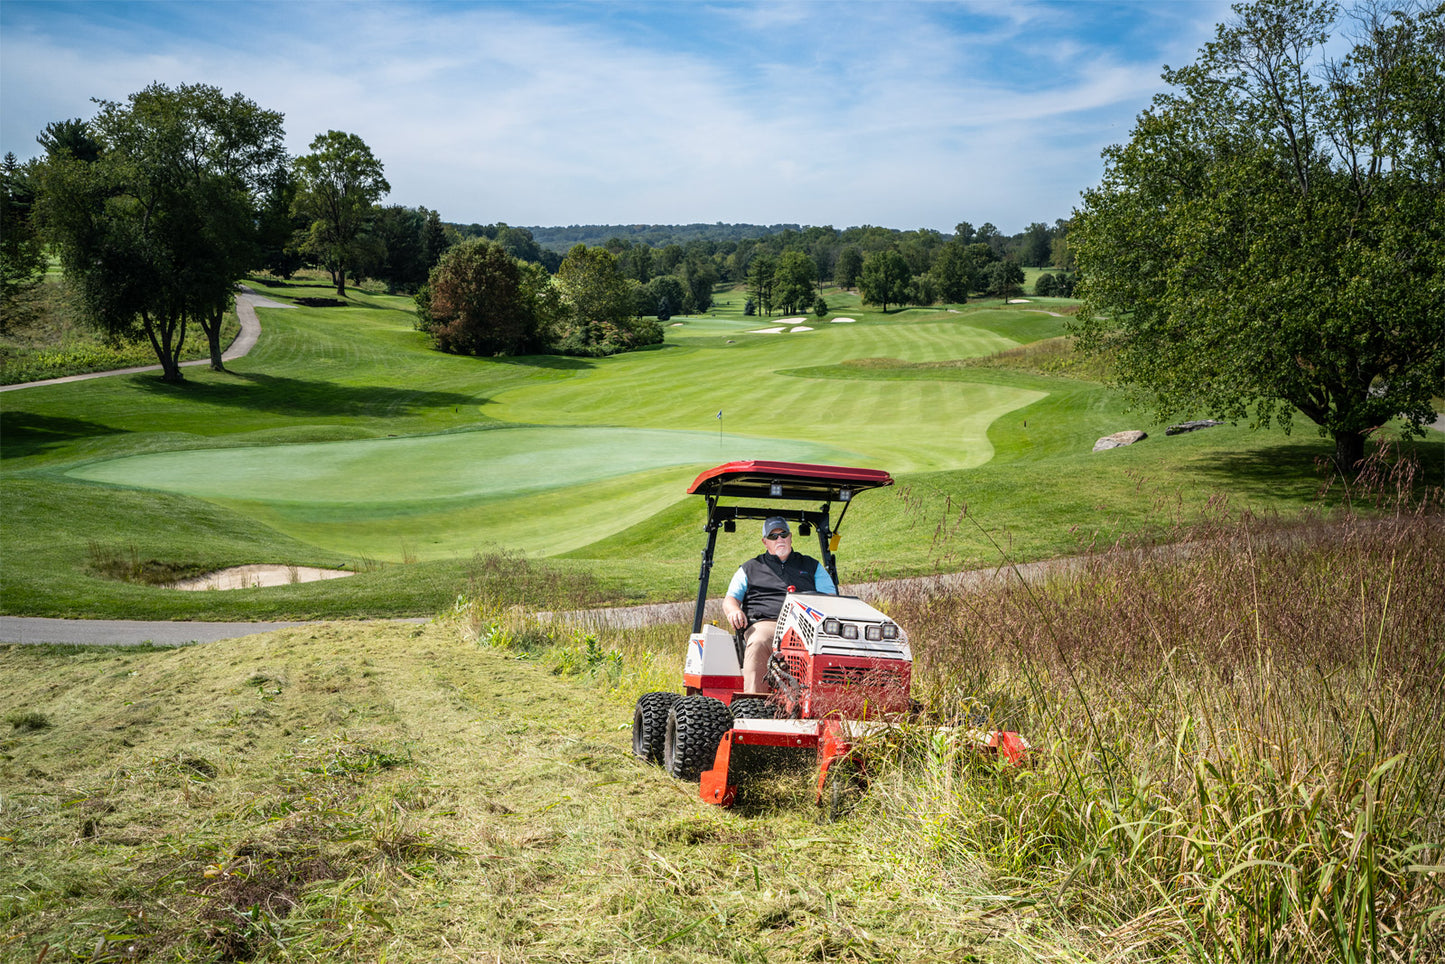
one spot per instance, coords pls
(649, 725)
(695, 727)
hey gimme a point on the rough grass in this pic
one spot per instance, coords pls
(1239, 758)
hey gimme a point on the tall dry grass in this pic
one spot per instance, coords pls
(1241, 750)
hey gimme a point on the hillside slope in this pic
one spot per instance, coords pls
(353, 793)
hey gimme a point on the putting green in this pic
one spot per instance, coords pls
(441, 495)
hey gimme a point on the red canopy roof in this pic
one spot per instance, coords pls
(753, 479)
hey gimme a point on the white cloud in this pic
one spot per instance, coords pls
(842, 113)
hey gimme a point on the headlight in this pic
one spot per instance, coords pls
(890, 630)
(873, 632)
(850, 631)
(831, 626)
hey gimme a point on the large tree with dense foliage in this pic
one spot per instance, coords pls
(1272, 236)
(793, 282)
(156, 229)
(884, 279)
(479, 300)
(598, 312)
(848, 267)
(953, 273)
(339, 182)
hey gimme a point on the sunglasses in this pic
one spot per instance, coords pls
(778, 535)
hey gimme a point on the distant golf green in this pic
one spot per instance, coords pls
(444, 494)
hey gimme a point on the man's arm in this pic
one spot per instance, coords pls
(824, 582)
(732, 602)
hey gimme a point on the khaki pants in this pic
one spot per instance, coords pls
(759, 649)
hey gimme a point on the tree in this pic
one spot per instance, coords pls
(278, 226)
(434, 241)
(793, 282)
(699, 275)
(1038, 245)
(884, 279)
(399, 259)
(953, 273)
(1270, 242)
(991, 236)
(761, 270)
(1046, 286)
(340, 181)
(1003, 279)
(922, 290)
(21, 254)
(72, 138)
(848, 268)
(476, 302)
(599, 312)
(661, 297)
(158, 229)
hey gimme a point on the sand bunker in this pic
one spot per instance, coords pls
(801, 328)
(259, 577)
(791, 321)
(765, 331)
(844, 321)
(1018, 301)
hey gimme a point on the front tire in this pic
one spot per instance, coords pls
(752, 708)
(649, 725)
(695, 727)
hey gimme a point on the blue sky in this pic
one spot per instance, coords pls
(899, 114)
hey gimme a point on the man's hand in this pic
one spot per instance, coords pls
(737, 619)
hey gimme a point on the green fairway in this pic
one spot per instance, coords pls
(721, 389)
(344, 439)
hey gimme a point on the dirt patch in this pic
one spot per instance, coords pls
(259, 577)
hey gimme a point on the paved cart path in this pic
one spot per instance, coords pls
(130, 632)
(247, 301)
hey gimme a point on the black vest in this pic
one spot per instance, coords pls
(769, 579)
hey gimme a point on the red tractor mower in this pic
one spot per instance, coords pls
(840, 670)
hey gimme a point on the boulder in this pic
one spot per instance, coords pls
(1120, 438)
(1183, 427)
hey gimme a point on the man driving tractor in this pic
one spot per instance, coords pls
(756, 594)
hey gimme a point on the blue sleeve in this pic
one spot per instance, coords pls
(824, 582)
(739, 586)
